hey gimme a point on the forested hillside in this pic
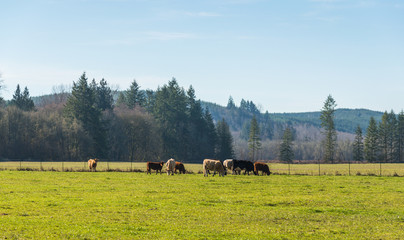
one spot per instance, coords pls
(346, 120)
(91, 120)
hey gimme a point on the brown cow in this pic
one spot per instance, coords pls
(261, 167)
(92, 164)
(154, 166)
(179, 166)
(213, 165)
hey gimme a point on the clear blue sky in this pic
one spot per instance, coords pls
(284, 55)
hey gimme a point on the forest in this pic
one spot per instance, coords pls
(92, 120)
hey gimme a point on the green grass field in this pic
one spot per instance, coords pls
(128, 205)
(388, 169)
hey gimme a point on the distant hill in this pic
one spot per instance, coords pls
(307, 125)
(346, 120)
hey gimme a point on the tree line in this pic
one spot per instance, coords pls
(145, 125)
(383, 142)
(138, 125)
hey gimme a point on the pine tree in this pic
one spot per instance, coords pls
(134, 96)
(358, 145)
(254, 141)
(1, 88)
(104, 99)
(211, 133)
(170, 111)
(121, 100)
(225, 141)
(196, 127)
(230, 103)
(81, 105)
(22, 100)
(286, 153)
(400, 137)
(266, 126)
(149, 100)
(371, 141)
(327, 122)
(383, 137)
(388, 137)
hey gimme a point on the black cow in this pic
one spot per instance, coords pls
(248, 166)
(154, 166)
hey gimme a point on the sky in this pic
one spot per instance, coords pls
(284, 55)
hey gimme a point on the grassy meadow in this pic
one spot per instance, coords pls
(131, 205)
(388, 169)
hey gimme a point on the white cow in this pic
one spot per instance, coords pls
(212, 165)
(170, 166)
(228, 164)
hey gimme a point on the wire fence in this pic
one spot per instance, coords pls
(374, 169)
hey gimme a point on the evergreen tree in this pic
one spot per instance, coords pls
(134, 96)
(149, 100)
(330, 134)
(22, 100)
(81, 105)
(358, 145)
(1, 88)
(104, 99)
(170, 111)
(400, 137)
(243, 104)
(371, 141)
(196, 127)
(286, 153)
(230, 103)
(224, 148)
(266, 126)
(388, 137)
(121, 100)
(254, 141)
(211, 133)
(383, 137)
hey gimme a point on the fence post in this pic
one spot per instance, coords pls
(380, 171)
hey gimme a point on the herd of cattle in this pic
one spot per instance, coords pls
(236, 166)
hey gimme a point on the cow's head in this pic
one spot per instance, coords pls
(161, 164)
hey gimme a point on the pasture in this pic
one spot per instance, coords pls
(130, 205)
(387, 169)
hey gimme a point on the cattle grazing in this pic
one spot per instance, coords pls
(170, 164)
(213, 165)
(228, 165)
(261, 167)
(154, 166)
(92, 164)
(243, 165)
(179, 166)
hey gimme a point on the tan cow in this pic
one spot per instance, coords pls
(170, 166)
(92, 164)
(212, 165)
